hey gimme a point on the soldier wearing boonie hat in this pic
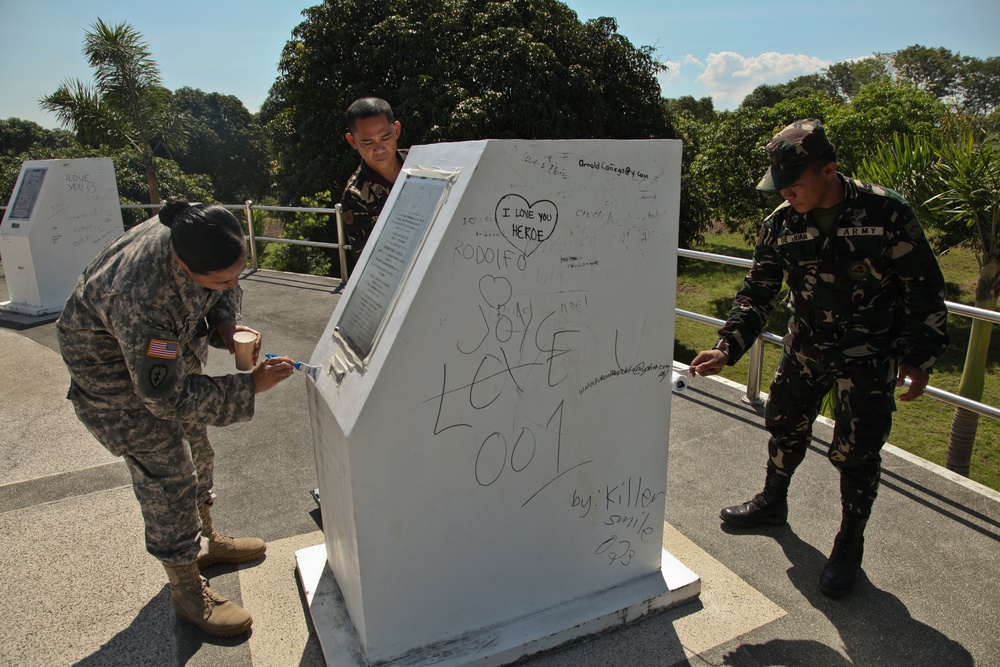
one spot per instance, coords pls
(868, 311)
(791, 152)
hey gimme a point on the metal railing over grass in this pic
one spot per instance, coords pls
(249, 207)
(755, 354)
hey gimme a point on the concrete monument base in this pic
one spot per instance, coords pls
(28, 309)
(501, 644)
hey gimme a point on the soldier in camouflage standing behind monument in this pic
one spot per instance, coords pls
(373, 131)
(868, 311)
(134, 334)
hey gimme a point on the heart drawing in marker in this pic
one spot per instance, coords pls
(496, 291)
(525, 225)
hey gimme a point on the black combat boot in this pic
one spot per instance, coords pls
(842, 570)
(768, 507)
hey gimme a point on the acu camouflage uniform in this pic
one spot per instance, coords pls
(362, 202)
(134, 335)
(863, 297)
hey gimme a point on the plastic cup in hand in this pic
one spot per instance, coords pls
(244, 341)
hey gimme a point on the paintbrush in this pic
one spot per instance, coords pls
(313, 371)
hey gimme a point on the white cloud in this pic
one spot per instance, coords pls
(679, 72)
(691, 60)
(674, 67)
(729, 77)
(672, 74)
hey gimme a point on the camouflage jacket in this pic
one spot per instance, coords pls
(362, 202)
(135, 333)
(872, 285)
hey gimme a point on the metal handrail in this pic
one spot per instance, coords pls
(249, 207)
(756, 350)
(755, 353)
(956, 308)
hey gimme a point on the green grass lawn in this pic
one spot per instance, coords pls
(920, 427)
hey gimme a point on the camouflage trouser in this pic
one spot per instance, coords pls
(171, 464)
(863, 416)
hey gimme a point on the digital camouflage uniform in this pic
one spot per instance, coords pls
(364, 196)
(134, 335)
(864, 297)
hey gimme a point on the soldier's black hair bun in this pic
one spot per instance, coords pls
(171, 210)
(206, 237)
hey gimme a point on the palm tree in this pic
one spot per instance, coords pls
(955, 187)
(125, 106)
(971, 202)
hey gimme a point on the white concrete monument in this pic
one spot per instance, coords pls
(62, 213)
(492, 418)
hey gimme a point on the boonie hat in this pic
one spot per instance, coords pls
(792, 150)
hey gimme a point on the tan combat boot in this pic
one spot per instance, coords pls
(225, 549)
(196, 603)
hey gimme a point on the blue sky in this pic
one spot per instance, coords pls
(720, 48)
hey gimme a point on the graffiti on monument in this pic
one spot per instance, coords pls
(514, 379)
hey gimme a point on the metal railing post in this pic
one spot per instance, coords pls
(248, 208)
(755, 369)
(340, 243)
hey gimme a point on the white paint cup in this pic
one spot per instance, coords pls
(244, 342)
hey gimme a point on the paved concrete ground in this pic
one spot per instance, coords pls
(77, 588)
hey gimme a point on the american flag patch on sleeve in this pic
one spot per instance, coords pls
(163, 349)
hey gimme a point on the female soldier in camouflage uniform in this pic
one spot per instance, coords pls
(134, 334)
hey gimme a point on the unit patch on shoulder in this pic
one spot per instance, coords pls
(914, 229)
(858, 270)
(157, 374)
(162, 349)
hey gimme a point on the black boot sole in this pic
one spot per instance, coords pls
(776, 515)
(836, 593)
(769, 521)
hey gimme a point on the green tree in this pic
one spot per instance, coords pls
(702, 110)
(877, 112)
(18, 136)
(991, 123)
(36, 143)
(691, 119)
(54, 146)
(308, 227)
(763, 96)
(226, 142)
(695, 205)
(472, 69)
(22, 140)
(126, 106)
(848, 77)
(955, 187)
(173, 183)
(970, 171)
(731, 159)
(808, 85)
(980, 85)
(935, 70)
(970, 85)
